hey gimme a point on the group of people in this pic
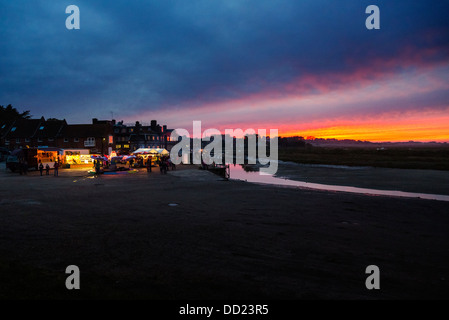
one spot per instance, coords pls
(56, 166)
(165, 163)
(140, 162)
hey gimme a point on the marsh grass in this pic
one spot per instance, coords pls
(404, 158)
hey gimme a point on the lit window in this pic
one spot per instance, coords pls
(41, 128)
(117, 146)
(3, 126)
(13, 129)
(126, 146)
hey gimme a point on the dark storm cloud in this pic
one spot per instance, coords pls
(131, 56)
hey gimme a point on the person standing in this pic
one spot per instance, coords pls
(41, 167)
(163, 166)
(97, 167)
(47, 169)
(56, 167)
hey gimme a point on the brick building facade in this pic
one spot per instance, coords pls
(101, 136)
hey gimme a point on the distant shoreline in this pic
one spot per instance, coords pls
(428, 158)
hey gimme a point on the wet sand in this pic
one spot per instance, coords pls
(222, 239)
(408, 180)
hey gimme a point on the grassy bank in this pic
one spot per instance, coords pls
(405, 158)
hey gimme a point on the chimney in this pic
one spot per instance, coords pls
(164, 128)
(153, 124)
(94, 121)
(113, 122)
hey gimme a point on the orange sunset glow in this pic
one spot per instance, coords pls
(375, 133)
(409, 106)
(421, 127)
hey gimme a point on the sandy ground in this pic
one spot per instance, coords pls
(222, 239)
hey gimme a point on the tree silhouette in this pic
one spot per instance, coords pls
(9, 113)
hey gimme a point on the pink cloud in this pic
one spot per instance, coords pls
(381, 91)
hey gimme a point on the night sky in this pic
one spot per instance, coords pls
(305, 67)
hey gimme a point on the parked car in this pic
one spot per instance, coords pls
(19, 156)
(12, 163)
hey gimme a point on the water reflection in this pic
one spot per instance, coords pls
(251, 174)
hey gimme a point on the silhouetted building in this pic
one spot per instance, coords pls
(102, 136)
(132, 137)
(97, 137)
(29, 133)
